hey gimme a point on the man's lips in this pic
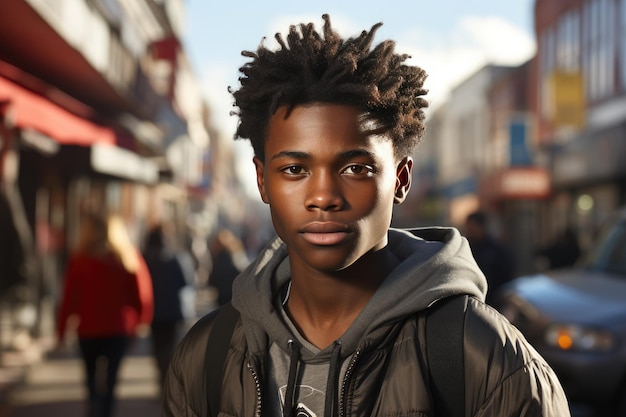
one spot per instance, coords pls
(324, 233)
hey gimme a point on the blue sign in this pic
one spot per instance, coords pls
(519, 155)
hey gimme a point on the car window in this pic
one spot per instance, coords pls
(610, 253)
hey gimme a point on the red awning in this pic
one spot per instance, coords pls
(28, 110)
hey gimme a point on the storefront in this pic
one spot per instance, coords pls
(515, 195)
(56, 163)
(589, 179)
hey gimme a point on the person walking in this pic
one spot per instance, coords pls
(172, 276)
(107, 299)
(493, 257)
(564, 251)
(228, 259)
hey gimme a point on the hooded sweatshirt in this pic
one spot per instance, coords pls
(434, 263)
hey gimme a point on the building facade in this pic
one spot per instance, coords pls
(540, 147)
(485, 159)
(99, 110)
(579, 106)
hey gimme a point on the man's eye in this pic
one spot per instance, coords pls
(359, 169)
(293, 170)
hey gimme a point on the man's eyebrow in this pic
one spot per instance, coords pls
(353, 153)
(292, 154)
(357, 152)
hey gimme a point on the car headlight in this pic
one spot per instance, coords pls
(579, 338)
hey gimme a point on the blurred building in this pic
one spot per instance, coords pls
(99, 109)
(580, 109)
(464, 151)
(480, 156)
(539, 146)
(517, 184)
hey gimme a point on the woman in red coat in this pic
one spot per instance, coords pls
(107, 296)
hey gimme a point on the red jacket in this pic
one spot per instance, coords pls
(107, 299)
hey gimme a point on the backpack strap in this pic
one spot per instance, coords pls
(217, 347)
(444, 346)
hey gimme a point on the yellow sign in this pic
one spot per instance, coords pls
(567, 93)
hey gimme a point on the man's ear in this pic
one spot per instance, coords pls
(403, 179)
(260, 180)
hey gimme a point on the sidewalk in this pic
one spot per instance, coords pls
(37, 382)
(53, 386)
(14, 366)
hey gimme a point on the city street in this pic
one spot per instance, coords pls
(54, 387)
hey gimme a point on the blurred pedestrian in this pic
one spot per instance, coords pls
(492, 256)
(172, 272)
(562, 252)
(228, 259)
(108, 290)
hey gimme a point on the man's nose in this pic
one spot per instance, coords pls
(324, 192)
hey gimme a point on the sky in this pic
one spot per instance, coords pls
(450, 39)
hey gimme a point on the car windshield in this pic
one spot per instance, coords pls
(609, 255)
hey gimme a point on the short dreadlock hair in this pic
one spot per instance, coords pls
(309, 68)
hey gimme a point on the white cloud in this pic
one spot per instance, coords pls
(474, 42)
(503, 42)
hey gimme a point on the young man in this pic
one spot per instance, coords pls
(333, 313)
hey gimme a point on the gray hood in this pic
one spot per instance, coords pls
(434, 263)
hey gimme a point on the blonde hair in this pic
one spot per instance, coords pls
(100, 235)
(121, 245)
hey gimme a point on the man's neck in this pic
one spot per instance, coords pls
(324, 305)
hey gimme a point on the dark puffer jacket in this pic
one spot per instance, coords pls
(504, 376)
(385, 346)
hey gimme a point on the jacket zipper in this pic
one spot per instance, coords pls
(344, 384)
(255, 376)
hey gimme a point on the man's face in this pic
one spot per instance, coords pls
(330, 187)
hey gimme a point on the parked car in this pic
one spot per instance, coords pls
(576, 318)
